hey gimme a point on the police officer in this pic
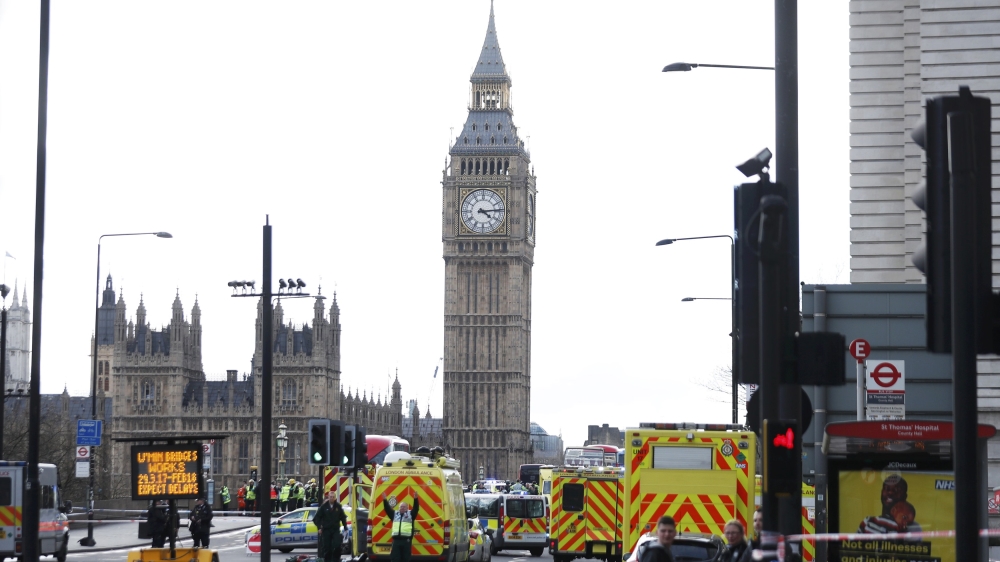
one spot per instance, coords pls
(226, 498)
(251, 496)
(402, 528)
(300, 495)
(283, 496)
(201, 523)
(156, 521)
(328, 519)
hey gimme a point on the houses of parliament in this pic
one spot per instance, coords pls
(158, 387)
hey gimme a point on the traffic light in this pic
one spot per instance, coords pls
(955, 135)
(337, 441)
(253, 473)
(933, 197)
(350, 434)
(319, 442)
(360, 447)
(782, 455)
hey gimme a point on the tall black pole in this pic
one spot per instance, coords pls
(264, 497)
(963, 339)
(786, 106)
(89, 539)
(3, 371)
(31, 489)
(732, 332)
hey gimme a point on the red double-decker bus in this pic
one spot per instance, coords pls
(381, 445)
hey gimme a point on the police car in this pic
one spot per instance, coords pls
(296, 530)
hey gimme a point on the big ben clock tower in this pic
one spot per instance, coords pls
(488, 220)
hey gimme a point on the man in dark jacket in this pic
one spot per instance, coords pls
(201, 523)
(402, 528)
(659, 550)
(328, 519)
(156, 520)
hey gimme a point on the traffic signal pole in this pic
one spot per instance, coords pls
(786, 113)
(266, 390)
(963, 334)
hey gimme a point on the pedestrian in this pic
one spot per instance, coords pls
(300, 495)
(274, 495)
(737, 550)
(200, 523)
(517, 487)
(225, 497)
(156, 523)
(328, 520)
(241, 503)
(251, 496)
(758, 526)
(312, 493)
(402, 528)
(658, 550)
(283, 497)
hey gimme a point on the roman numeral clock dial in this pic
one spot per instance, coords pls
(483, 211)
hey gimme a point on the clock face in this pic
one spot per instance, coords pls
(483, 211)
(531, 216)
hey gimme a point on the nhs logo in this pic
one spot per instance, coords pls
(944, 484)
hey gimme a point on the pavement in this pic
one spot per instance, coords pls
(115, 535)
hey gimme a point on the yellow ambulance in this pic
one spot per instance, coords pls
(702, 475)
(441, 529)
(588, 511)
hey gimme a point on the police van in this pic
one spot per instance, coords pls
(53, 528)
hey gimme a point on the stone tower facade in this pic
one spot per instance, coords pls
(160, 388)
(105, 340)
(18, 365)
(488, 220)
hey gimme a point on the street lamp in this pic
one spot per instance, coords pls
(691, 299)
(267, 363)
(282, 442)
(687, 66)
(732, 287)
(89, 539)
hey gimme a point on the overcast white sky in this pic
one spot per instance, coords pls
(200, 117)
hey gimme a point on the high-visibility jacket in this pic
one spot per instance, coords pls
(283, 496)
(300, 492)
(274, 493)
(251, 493)
(402, 525)
(225, 495)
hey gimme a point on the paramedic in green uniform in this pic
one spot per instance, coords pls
(402, 528)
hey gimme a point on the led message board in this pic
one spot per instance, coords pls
(166, 471)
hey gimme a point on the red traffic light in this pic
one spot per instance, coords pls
(786, 440)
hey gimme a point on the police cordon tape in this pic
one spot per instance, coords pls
(760, 554)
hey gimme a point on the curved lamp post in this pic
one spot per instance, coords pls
(732, 287)
(89, 539)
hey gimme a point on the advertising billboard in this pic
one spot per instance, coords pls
(899, 498)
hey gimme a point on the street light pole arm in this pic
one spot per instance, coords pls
(667, 241)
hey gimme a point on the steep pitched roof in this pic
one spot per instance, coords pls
(490, 65)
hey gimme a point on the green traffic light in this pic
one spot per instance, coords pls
(317, 456)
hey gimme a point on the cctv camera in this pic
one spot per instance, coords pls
(756, 165)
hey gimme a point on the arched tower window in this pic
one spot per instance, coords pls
(463, 166)
(107, 385)
(148, 391)
(288, 393)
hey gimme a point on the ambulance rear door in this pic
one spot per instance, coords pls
(11, 500)
(602, 514)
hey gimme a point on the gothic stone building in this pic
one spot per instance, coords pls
(159, 388)
(488, 220)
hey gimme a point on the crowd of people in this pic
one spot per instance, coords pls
(290, 496)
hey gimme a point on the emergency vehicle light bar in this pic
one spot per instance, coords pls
(703, 426)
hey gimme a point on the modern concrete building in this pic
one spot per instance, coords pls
(488, 233)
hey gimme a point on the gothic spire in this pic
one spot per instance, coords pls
(490, 64)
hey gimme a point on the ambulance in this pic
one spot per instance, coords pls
(441, 529)
(53, 527)
(522, 523)
(588, 512)
(701, 475)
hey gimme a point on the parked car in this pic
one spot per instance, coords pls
(296, 530)
(480, 543)
(688, 547)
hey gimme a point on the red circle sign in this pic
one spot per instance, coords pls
(885, 375)
(860, 349)
(83, 452)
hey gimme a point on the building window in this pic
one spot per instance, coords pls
(217, 458)
(288, 397)
(107, 385)
(243, 463)
(148, 393)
